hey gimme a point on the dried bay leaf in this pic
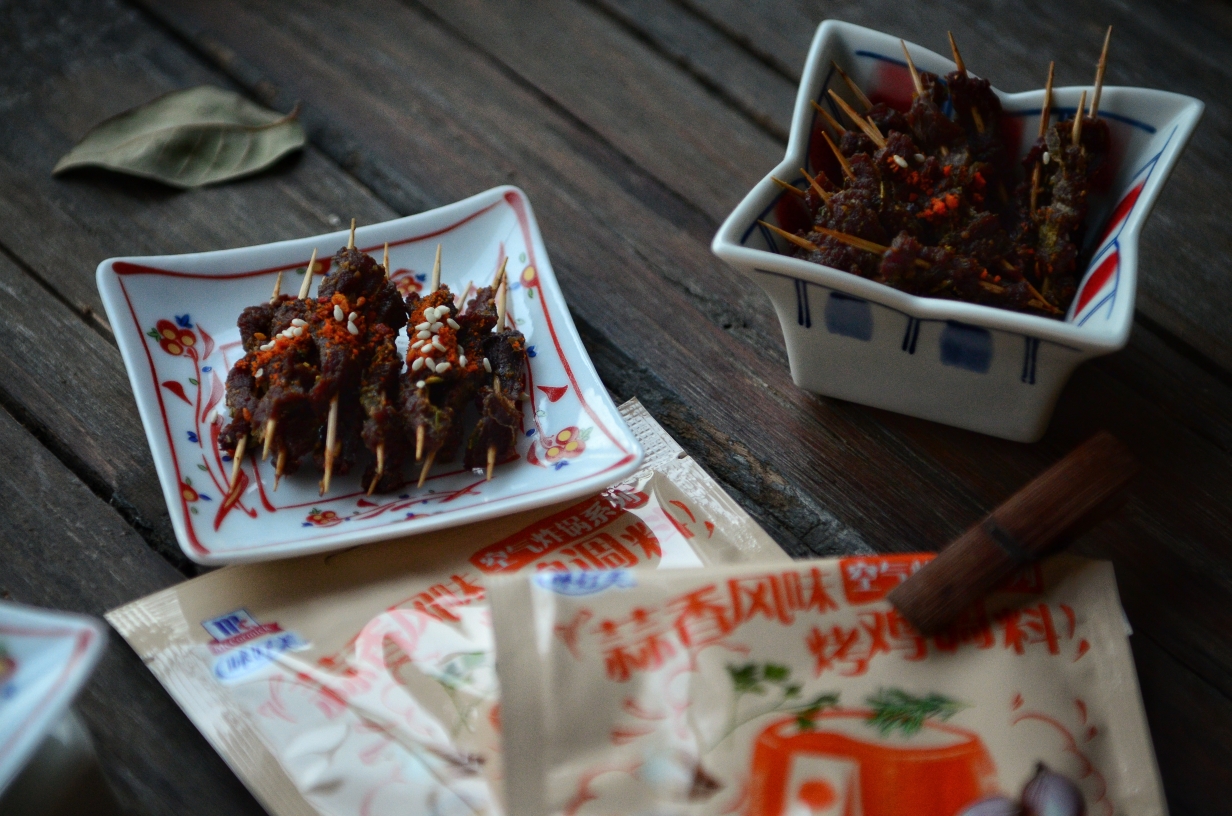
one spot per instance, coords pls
(189, 138)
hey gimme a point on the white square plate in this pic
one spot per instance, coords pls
(174, 318)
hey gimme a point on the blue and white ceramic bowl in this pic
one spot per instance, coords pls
(977, 367)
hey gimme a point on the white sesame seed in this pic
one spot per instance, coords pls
(1047, 157)
(445, 366)
(268, 346)
(417, 344)
(352, 328)
(919, 157)
(423, 326)
(487, 366)
(424, 335)
(453, 324)
(352, 316)
(462, 359)
(436, 341)
(420, 384)
(298, 322)
(437, 326)
(298, 331)
(428, 350)
(417, 364)
(441, 311)
(900, 161)
(432, 313)
(259, 373)
(338, 315)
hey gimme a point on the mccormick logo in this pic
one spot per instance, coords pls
(245, 645)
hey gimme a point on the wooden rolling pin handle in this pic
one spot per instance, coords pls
(1057, 506)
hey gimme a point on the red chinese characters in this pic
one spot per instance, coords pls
(596, 533)
(848, 650)
(870, 578)
(706, 615)
(439, 600)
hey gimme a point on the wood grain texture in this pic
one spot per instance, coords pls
(660, 118)
(1191, 728)
(63, 548)
(98, 431)
(723, 67)
(1184, 283)
(69, 64)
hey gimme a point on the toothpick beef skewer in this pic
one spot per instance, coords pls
(367, 287)
(383, 430)
(922, 204)
(323, 376)
(504, 358)
(446, 369)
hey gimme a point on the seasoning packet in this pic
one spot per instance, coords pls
(798, 690)
(362, 681)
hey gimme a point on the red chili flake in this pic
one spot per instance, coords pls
(912, 196)
(996, 279)
(951, 201)
(946, 170)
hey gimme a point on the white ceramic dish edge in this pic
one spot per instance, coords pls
(89, 640)
(269, 255)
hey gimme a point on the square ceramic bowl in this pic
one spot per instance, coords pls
(977, 367)
(174, 319)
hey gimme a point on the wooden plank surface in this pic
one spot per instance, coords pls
(65, 549)
(632, 126)
(99, 434)
(71, 64)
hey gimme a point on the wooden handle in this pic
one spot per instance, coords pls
(1057, 506)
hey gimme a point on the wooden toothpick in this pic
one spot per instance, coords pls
(842, 160)
(915, 75)
(791, 188)
(436, 271)
(855, 89)
(870, 128)
(816, 185)
(828, 119)
(1099, 74)
(958, 60)
(303, 287)
(237, 460)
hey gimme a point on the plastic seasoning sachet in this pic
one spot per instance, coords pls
(797, 690)
(362, 681)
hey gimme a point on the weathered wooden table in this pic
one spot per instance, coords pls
(634, 126)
